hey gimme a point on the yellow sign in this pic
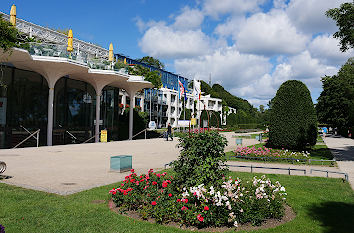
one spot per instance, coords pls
(103, 135)
(193, 121)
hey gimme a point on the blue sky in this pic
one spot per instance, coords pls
(248, 46)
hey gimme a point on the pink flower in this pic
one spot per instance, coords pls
(178, 200)
(206, 208)
(200, 218)
(170, 194)
(132, 170)
(153, 203)
(154, 183)
(184, 208)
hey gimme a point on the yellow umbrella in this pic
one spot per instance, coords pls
(13, 15)
(70, 41)
(125, 60)
(110, 55)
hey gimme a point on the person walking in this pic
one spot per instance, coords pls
(169, 132)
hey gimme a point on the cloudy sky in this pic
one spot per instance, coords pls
(248, 46)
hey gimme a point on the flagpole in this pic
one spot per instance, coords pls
(178, 101)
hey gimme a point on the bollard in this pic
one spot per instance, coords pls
(289, 171)
(251, 169)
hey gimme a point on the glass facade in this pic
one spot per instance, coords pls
(24, 109)
(23, 106)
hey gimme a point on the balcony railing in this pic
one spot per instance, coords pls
(60, 50)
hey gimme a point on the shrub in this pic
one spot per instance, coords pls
(293, 121)
(234, 202)
(201, 159)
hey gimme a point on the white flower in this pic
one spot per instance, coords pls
(282, 189)
(235, 224)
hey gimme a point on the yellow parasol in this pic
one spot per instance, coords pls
(125, 60)
(110, 55)
(13, 15)
(70, 41)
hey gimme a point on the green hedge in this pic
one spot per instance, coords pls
(293, 121)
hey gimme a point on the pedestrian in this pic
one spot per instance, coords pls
(169, 132)
(324, 131)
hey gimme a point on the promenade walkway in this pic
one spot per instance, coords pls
(343, 151)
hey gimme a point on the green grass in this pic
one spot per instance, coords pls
(321, 204)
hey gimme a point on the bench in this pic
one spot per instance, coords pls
(2, 167)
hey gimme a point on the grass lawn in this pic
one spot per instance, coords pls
(321, 204)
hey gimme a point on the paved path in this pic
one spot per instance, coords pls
(72, 168)
(343, 151)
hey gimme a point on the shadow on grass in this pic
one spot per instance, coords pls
(334, 216)
(321, 153)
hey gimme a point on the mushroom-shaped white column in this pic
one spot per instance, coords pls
(134, 84)
(52, 69)
(99, 79)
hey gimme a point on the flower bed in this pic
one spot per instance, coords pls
(153, 195)
(269, 152)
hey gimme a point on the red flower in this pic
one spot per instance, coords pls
(185, 200)
(132, 170)
(206, 208)
(184, 208)
(200, 218)
(170, 194)
(154, 183)
(178, 200)
(113, 191)
(164, 184)
(153, 203)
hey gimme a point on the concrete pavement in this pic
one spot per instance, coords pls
(343, 151)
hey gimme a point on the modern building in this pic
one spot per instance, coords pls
(69, 95)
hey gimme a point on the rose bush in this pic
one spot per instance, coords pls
(154, 195)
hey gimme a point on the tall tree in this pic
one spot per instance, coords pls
(152, 62)
(293, 121)
(8, 35)
(335, 106)
(344, 16)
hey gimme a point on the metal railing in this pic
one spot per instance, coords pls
(31, 135)
(91, 138)
(291, 159)
(341, 173)
(2, 167)
(144, 130)
(271, 168)
(52, 36)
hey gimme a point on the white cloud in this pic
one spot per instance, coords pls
(326, 49)
(227, 66)
(279, 4)
(189, 19)
(270, 34)
(309, 15)
(215, 8)
(161, 41)
(231, 27)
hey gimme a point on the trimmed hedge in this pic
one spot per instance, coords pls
(293, 121)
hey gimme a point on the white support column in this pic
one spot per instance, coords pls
(131, 111)
(50, 116)
(98, 106)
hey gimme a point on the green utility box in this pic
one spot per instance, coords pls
(121, 163)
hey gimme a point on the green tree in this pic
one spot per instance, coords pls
(293, 121)
(152, 76)
(152, 62)
(335, 106)
(8, 35)
(344, 16)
